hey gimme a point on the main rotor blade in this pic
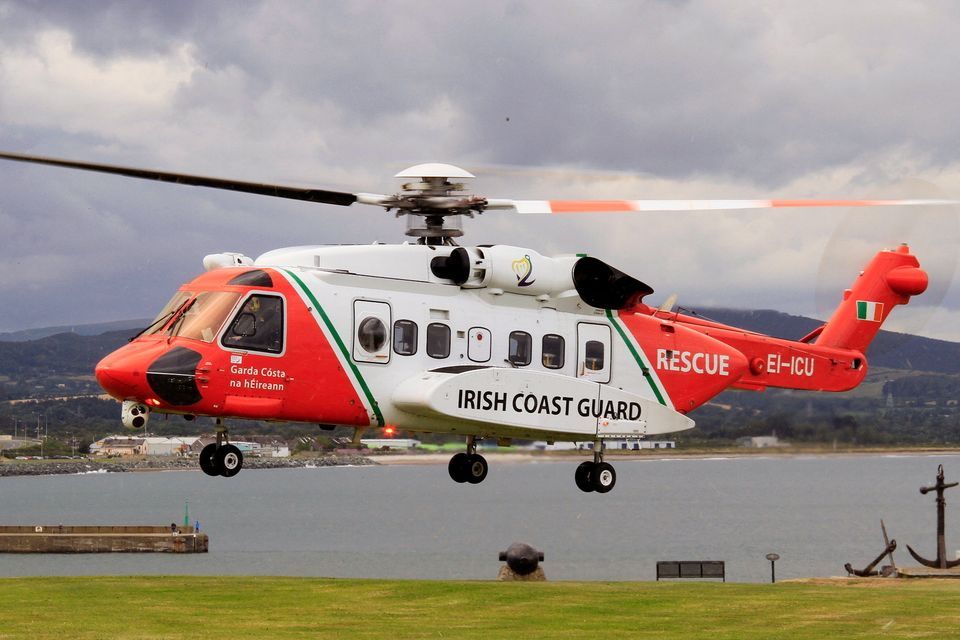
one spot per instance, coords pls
(627, 206)
(277, 191)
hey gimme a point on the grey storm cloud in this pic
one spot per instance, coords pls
(656, 99)
(764, 90)
(110, 28)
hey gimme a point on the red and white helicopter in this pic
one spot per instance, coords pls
(491, 342)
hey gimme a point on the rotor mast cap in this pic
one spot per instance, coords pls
(434, 170)
(432, 207)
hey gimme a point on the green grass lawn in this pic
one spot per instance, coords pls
(252, 607)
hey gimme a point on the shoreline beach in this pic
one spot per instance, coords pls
(142, 464)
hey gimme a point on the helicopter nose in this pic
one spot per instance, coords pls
(138, 373)
(120, 376)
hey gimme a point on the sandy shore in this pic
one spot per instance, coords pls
(160, 463)
(351, 458)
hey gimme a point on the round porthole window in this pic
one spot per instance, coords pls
(372, 334)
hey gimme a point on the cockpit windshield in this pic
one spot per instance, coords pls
(202, 317)
(169, 310)
(197, 317)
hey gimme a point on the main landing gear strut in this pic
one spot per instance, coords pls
(221, 458)
(598, 475)
(470, 466)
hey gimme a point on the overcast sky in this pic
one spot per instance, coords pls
(541, 99)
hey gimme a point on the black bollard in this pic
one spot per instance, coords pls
(523, 563)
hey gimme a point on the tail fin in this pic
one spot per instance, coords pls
(890, 279)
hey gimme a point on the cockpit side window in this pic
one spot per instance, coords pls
(258, 326)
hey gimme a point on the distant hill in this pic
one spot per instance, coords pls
(63, 354)
(79, 329)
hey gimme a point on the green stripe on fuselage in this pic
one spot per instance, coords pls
(343, 348)
(636, 356)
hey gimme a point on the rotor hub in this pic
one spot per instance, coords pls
(433, 203)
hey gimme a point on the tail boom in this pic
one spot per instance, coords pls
(830, 358)
(785, 364)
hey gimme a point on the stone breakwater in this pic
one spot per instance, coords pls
(60, 467)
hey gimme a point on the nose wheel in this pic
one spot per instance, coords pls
(597, 475)
(469, 467)
(221, 458)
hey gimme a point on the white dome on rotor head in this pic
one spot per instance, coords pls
(434, 170)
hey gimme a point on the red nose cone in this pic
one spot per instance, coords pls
(119, 376)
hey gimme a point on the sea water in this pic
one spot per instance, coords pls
(412, 521)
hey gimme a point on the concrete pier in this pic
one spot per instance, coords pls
(100, 539)
(927, 572)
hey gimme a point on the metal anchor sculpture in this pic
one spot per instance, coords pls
(941, 562)
(871, 568)
(871, 571)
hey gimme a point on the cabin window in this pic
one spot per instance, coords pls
(371, 331)
(405, 337)
(258, 326)
(438, 340)
(593, 355)
(551, 348)
(371, 334)
(593, 343)
(521, 348)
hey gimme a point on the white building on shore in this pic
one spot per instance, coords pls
(762, 442)
(390, 443)
(142, 446)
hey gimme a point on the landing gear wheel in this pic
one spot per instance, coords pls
(476, 468)
(458, 467)
(582, 477)
(229, 460)
(208, 461)
(603, 477)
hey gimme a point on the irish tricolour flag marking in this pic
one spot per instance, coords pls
(872, 311)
